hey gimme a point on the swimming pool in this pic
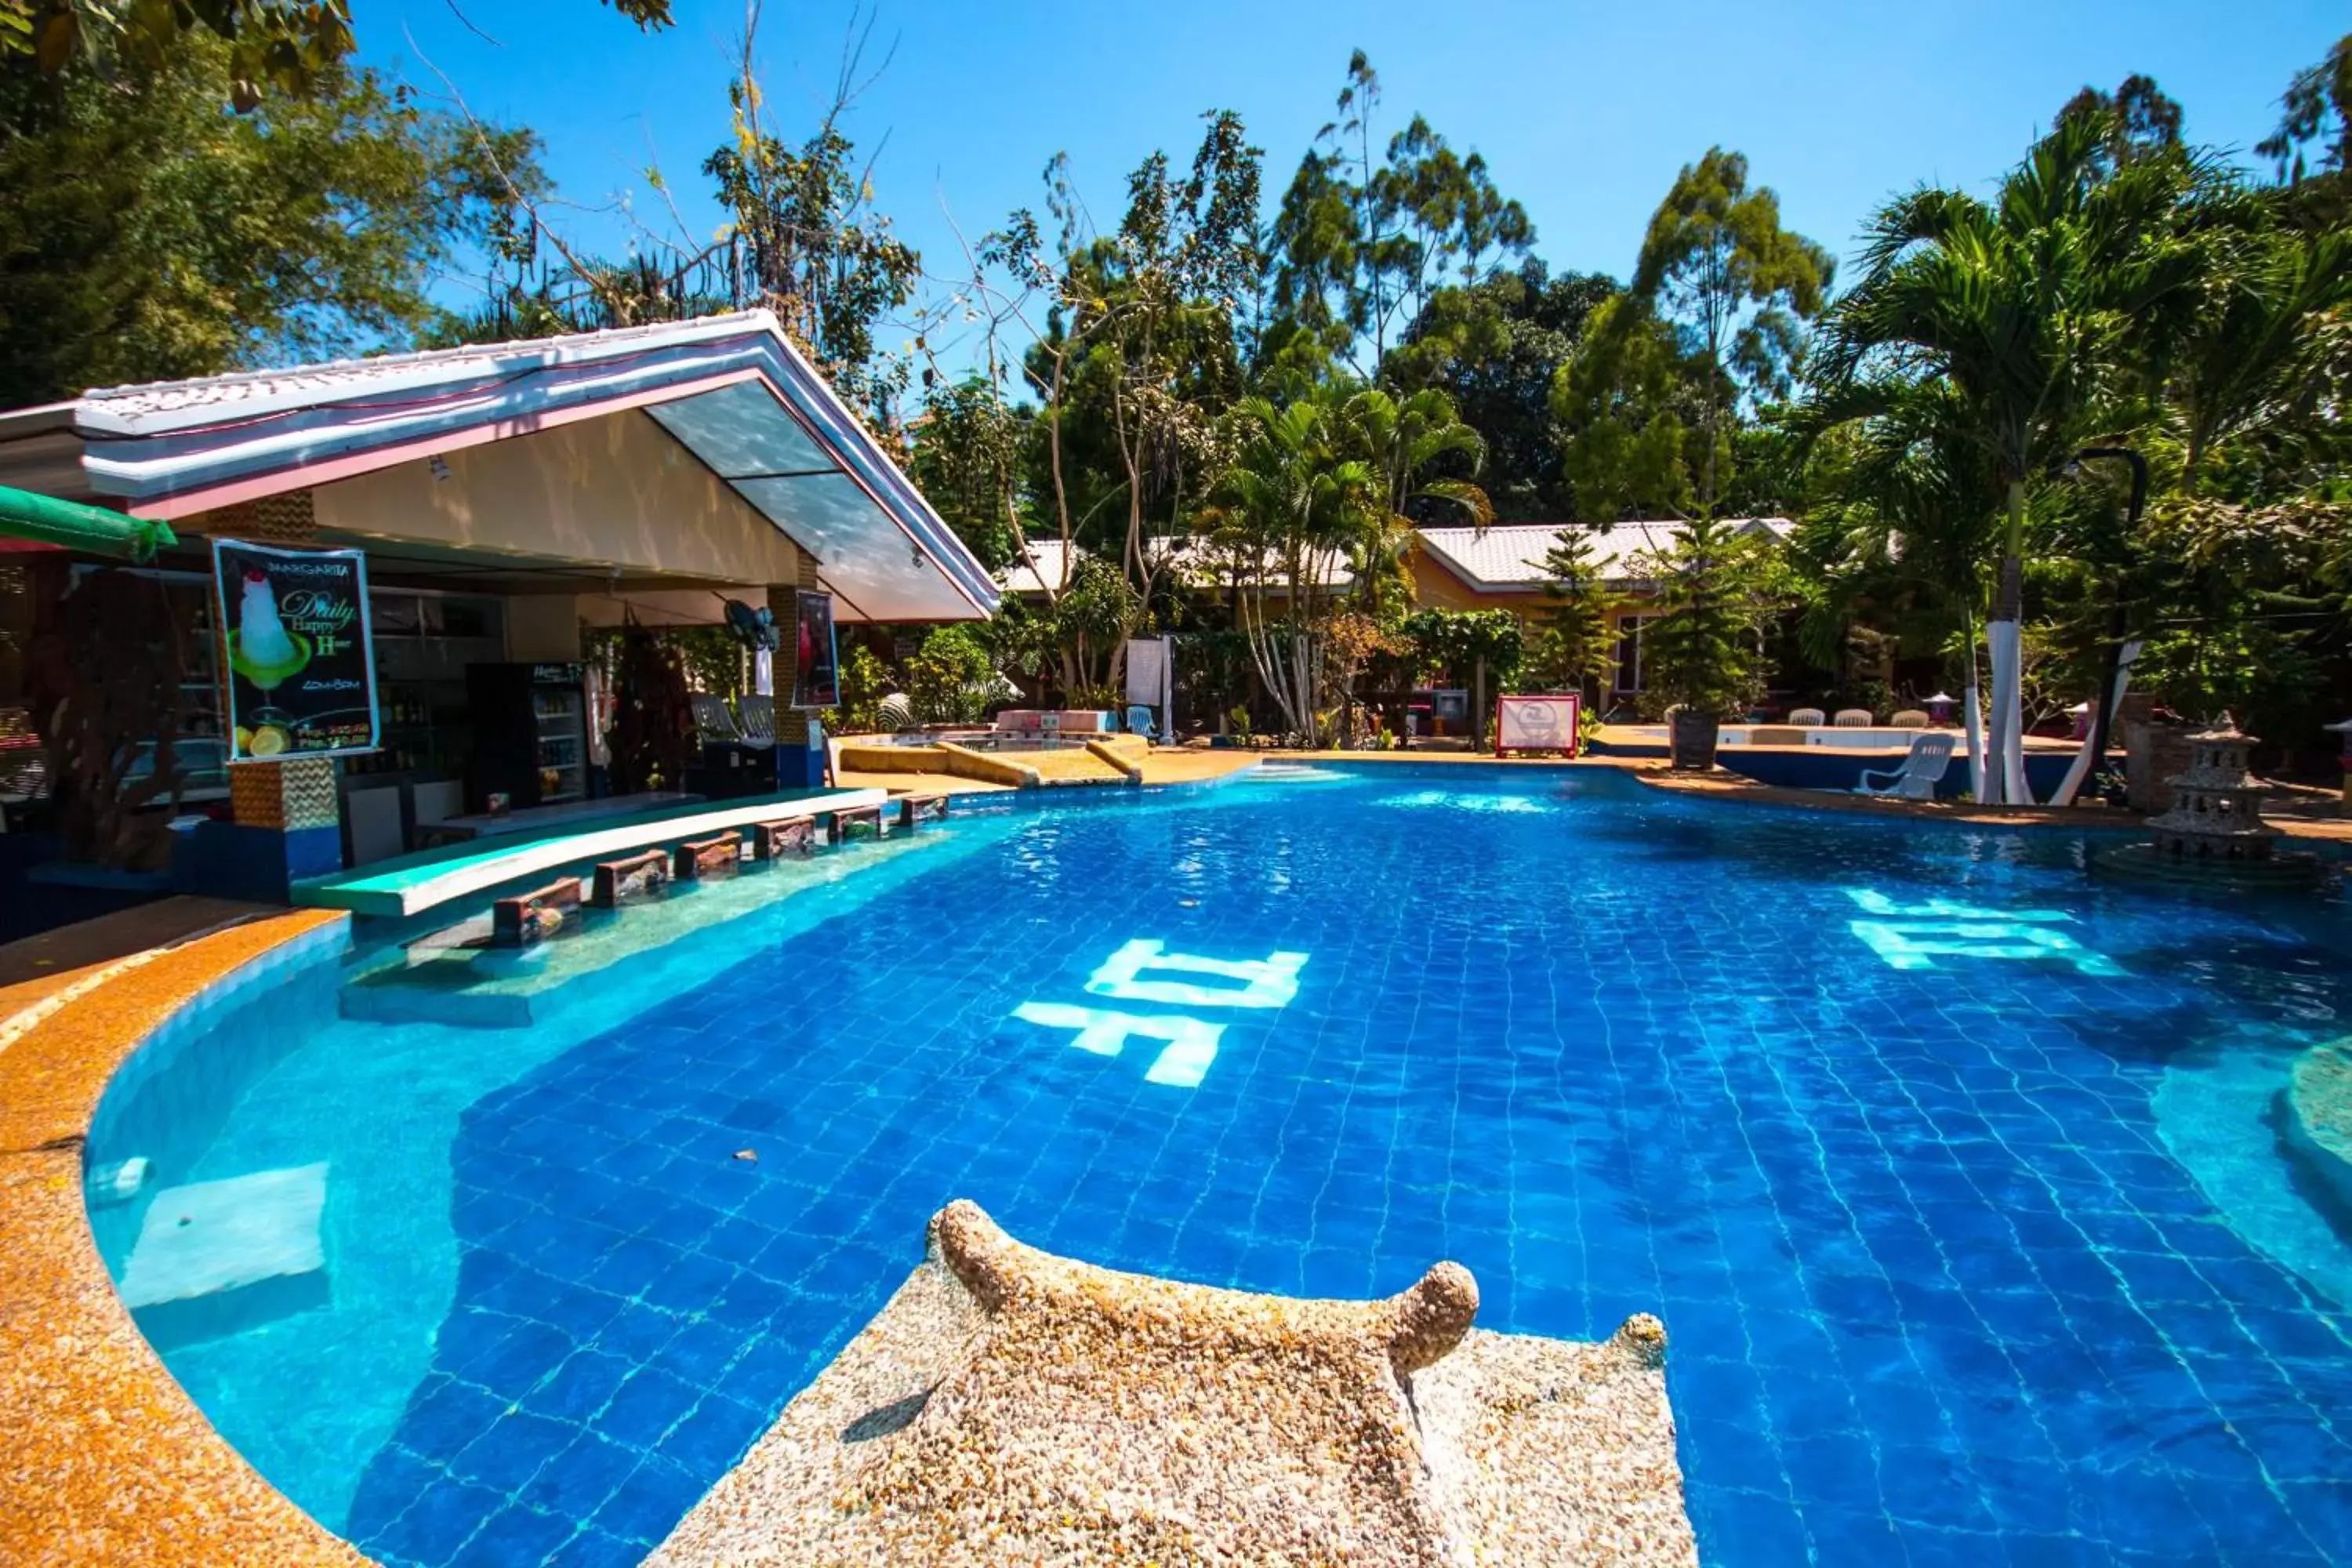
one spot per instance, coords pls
(1987, 1254)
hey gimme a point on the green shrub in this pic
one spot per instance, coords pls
(865, 681)
(950, 679)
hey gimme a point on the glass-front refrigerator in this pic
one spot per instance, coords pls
(530, 734)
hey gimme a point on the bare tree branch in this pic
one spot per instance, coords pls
(468, 21)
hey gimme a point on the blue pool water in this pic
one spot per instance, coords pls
(1981, 1255)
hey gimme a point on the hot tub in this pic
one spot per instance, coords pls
(1874, 739)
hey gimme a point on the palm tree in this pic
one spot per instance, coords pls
(2027, 308)
(1400, 440)
(1322, 482)
(1294, 504)
(1909, 511)
(2246, 355)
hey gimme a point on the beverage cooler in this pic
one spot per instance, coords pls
(530, 734)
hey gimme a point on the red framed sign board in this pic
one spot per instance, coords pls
(1544, 722)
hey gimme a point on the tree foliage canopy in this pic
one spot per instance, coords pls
(146, 235)
(1228, 407)
(291, 48)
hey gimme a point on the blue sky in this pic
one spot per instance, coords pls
(1584, 112)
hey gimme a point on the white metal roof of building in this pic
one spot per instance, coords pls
(1199, 564)
(1043, 566)
(1508, 557)
(730, 388)
(1504, 558)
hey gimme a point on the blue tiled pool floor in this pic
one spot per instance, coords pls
(1936, 1289)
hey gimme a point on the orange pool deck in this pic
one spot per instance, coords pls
(107, 1462)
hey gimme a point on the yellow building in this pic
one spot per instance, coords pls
(1501, 568)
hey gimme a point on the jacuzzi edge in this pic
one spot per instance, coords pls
(110, 1461)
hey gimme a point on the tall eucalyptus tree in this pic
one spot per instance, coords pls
(1365, 234)
(1718, 263)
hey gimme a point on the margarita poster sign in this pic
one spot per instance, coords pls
(294, 639)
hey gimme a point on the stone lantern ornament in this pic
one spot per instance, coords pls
(2214, 830)
(2217, 806)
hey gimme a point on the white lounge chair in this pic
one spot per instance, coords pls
(1851, 719)
(1916, 779)
(1807, 716)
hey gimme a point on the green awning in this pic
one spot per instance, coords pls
(72, 525)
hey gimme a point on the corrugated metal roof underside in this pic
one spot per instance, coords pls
(876, 568)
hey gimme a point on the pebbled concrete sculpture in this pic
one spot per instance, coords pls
(1012, 1406)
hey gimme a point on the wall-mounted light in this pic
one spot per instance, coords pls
(919, 558)
(439, 466)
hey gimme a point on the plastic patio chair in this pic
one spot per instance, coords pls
(1807, 717)
(1916, 779)
(758, 715)
(1852, 718)
(713, 724)
(1138, 722)
(1908, 719)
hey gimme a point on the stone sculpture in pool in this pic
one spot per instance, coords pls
(1012, 1406)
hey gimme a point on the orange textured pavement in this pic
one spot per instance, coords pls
(106, 1460)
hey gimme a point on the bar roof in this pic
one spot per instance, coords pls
(730, 388)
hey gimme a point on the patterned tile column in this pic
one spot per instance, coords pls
(288, 824)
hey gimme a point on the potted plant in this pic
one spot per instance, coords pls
(1700, 654)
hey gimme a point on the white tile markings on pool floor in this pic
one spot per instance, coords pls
(1920, 933)
(1191, 1043)
(1182, 1061)
(1269, 981)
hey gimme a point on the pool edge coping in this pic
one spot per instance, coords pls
(111, 1460)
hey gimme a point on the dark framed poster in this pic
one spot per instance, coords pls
(297, 652)
(816, 675)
